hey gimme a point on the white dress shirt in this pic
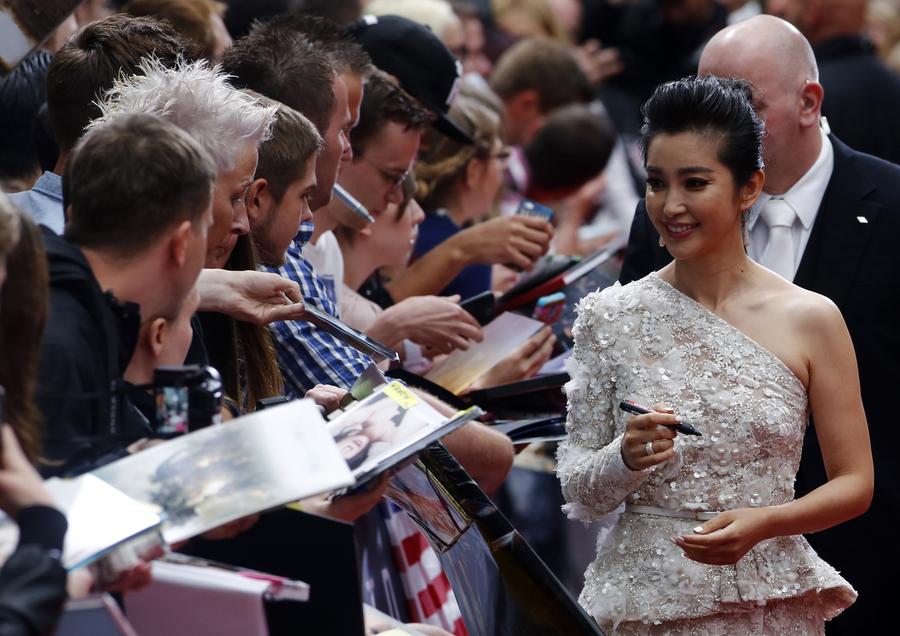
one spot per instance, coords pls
(804, 197)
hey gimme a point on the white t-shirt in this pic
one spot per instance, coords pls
(328, 262)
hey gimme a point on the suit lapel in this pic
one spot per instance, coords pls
(838, 239)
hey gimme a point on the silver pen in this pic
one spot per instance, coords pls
(355, 206)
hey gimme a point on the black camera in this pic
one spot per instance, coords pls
(187, 398)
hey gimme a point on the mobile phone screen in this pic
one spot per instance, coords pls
(172, 410)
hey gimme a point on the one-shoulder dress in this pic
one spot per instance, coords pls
(648, 342)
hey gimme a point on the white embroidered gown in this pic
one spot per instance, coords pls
(650, 343)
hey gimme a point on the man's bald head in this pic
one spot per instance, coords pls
(763, 45)
(778, 61)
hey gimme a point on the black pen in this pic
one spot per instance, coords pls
(637, 409)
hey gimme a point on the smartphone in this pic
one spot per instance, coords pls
(527, 207)
(482, 306)
(348, 335)
(549, 309)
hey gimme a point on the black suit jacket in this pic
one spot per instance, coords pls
(862, 96)
(852, 257)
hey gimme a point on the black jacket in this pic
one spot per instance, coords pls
(33, 581)
(862, 96)
(89, 340)
(857, 265)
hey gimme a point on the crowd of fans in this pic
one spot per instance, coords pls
(173, 170)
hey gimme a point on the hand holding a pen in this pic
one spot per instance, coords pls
(651, 431)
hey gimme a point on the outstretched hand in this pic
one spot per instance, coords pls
(522, 363)
(517, 241)
(727, 537)
(256, 297)
(349, 507)
(327, 396)
(437, 324)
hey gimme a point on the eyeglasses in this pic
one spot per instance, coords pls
(503, 154)
(396, 180)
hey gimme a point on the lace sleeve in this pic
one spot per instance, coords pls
(594, 478)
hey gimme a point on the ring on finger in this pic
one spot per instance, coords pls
(648, 448)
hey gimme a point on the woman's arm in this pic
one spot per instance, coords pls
(593, 475)
(840, 423)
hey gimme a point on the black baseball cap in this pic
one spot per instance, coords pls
(422, 64)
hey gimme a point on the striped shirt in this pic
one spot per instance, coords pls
(307, 355)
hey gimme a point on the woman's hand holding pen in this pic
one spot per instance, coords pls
(727, 537)
(646, 432)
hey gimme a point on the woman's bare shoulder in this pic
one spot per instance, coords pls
(807, 310)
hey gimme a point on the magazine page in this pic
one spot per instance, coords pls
(388, 427)
(502, 336)
(224, 472)
(100, 519)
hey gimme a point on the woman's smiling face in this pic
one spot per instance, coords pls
(691, 196)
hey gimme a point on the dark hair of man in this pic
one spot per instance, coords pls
(545, 66)
(132, 179)
(87, 65)
(346, 55)
(341, 12)
(44, 143)
(22, 93)
(23, 314)
(714, 106)
(285, 66)
(243, 352)
(243, 14)
(192, 19)
(571, 148)
(284, 157)
(383, 101)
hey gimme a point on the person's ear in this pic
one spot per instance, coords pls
(751, 190)
(180, 243)
(258, 196)
(156, 337)
(474, 171)
(811, 104)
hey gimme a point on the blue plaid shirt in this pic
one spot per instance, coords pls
(308, 355)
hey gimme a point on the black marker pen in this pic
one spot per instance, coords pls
(637, 409)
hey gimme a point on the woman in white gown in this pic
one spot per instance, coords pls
(709, 538)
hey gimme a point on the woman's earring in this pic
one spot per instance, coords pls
(745, 229)
(662, 243)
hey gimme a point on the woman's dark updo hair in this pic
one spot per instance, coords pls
(709, 105)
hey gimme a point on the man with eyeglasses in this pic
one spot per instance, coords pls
(385, 143)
